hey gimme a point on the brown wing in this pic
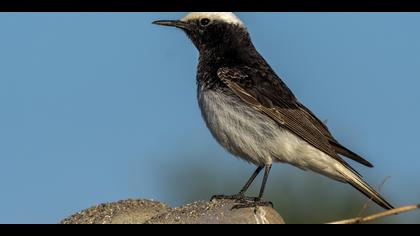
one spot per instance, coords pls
(340, 149)
(274, 99)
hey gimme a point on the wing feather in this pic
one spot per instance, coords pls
(275, 100)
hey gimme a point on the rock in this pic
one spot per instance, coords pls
(121, 212)
(217, 212)
(152, 212)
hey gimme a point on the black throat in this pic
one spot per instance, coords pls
(225, 45)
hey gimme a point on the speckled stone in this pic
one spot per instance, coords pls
(121, 212)
(153, 212)
(217, 212)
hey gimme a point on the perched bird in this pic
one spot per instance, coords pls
(253, 114)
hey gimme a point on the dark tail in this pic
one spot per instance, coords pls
(357, 182)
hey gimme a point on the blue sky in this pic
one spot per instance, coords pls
(96, 107)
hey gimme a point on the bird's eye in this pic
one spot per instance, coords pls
(204, 22)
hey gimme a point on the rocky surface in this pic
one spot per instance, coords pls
(121, 212)
(153, 212)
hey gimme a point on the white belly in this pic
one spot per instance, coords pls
(256, 138)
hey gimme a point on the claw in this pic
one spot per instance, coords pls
(254, 204)
(243, 201)
(237, 197)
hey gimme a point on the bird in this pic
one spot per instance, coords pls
(252, 113)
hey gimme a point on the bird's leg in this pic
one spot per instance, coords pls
(264, 182)
(258, 201)
(241, 195)
(249, 182)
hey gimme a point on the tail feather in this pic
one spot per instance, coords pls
(357, 182)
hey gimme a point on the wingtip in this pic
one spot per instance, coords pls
(340, 149)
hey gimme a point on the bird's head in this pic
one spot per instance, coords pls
(212, 30)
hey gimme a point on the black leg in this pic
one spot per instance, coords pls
(249, 182)
(241, 195)
(258, 201)
(264, 182)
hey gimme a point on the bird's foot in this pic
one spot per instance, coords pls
(243, 201)
(254, 204)
(239, 198)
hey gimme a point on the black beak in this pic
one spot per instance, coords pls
(173, 23)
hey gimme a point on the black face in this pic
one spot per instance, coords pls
(207, 34)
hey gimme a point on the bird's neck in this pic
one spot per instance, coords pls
(229, 55)
(214, 58)
(229, 49)
(234, 49)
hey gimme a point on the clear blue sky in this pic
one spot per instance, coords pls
(93, 106)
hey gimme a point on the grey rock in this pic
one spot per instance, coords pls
(153, 212)
(121, 212)
(217, 212)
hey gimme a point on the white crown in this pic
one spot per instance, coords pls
(227, 17)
